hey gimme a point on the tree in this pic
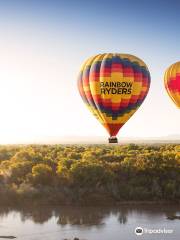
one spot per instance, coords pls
(42, 174)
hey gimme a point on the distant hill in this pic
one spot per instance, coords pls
(104, 140)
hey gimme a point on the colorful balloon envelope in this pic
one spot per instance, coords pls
(113, 86)
(172, 82)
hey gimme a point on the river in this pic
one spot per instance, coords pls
(91, 223)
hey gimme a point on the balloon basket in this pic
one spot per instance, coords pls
(113, 140)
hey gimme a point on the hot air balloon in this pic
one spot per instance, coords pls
(113, 86)
(172, 82)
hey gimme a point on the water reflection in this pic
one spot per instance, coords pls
(81, 216)
(89, 216)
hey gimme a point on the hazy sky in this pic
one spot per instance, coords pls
(42, 45)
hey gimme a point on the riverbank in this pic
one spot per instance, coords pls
(85, 200)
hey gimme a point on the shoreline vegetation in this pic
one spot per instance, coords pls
(89, 174)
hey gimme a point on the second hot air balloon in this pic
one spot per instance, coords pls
(172, 82)
(113, 86)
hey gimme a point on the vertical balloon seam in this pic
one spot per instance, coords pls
(108, 113)
(96, 63)
(82, 93)
(114, 128)
(85, 78)
(95, 100)
(90, 101)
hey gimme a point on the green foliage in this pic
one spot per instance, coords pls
(127, 172)
(19, 171)
(87, 173)
(42, 174)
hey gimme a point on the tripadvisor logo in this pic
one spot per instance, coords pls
(138, 231)
(116, 87)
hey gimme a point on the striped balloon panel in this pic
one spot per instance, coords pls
(172, 82)
(113, 86)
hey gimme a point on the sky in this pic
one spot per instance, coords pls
(42, 46)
